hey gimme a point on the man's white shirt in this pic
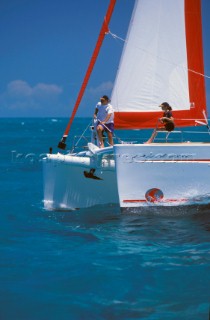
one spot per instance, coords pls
(103, 111)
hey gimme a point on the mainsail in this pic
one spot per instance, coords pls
(162, 60)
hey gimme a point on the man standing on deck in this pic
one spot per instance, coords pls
(104, 114)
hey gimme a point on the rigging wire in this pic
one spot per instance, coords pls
(190, 70)
(80, 138)
(83, 134)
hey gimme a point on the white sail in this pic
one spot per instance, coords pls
(154, 66)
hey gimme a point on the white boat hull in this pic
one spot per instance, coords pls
(160, 175)
(66, 186)
(142, 177)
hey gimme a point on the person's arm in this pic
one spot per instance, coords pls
(110, 112)
(95, 113)
(166, 119)
(107, 118)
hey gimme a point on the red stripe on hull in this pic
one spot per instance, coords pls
(175, 160)
(162, 201)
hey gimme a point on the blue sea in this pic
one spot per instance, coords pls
(95, 263)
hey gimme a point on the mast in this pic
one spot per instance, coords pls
(103, 31)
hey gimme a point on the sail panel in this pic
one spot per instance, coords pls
(155, 64)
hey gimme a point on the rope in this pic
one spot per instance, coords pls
(115, 36)
(200, 74)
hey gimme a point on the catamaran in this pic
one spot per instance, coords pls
(162, 60)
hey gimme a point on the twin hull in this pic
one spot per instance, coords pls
(139, 176)
(70, 183)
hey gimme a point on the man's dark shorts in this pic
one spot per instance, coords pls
(108, 126)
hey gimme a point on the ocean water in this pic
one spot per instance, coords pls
(93, 263)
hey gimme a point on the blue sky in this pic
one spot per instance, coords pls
(46, 47)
